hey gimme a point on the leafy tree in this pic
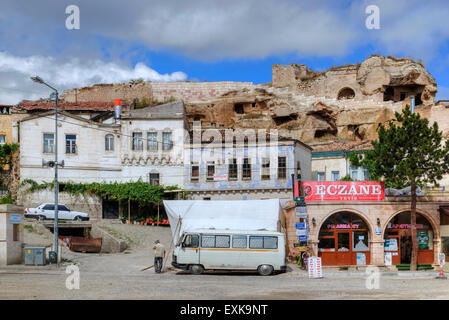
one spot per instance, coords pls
(346, 178)
(6, 152)
(412, 154)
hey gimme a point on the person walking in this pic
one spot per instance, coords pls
(159, 254)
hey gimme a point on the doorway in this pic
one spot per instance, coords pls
(344, 240)
(398, 239)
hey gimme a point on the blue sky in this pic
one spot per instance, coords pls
(208, 40)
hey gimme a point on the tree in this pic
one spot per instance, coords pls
(6, 152)
(412, 154)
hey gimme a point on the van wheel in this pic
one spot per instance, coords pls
(40, 218)
(196, 269)
(265, 270)
(78, 218)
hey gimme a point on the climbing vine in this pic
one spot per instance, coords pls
(139, 191)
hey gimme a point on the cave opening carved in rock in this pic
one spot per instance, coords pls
(346, 93)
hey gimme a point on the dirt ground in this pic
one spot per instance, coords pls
(118, 276)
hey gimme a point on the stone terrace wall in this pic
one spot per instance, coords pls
(159, 91)
(194, 91)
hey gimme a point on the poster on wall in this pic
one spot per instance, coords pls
(388, 259)
(391, 244)
(343, 190)
(361, 259)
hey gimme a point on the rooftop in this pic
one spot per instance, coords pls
(171, 110)
(44, 105)
(343, 146)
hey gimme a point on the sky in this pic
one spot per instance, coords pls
(206, 40)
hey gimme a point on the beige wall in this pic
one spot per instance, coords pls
(6, 127)
(11, 252)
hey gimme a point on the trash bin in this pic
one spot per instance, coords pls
(35, 256)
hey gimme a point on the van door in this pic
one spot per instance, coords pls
(190, 251)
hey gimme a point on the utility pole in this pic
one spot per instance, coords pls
(54, 255)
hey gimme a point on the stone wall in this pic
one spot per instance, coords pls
(91, 205)
(156, 91)
(194, 91)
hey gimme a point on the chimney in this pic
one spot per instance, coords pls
(117, 108)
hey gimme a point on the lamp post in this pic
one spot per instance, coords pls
(56, 187)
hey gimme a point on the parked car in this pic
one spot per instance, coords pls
(47, 211)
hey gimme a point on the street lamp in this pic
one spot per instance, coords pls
(55, 231)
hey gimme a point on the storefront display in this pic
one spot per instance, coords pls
(344, 240)
(398, 239)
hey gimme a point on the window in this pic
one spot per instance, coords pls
(191, 241)
(207, 241)
(137, 141)
(152, 141)
(109, 142)
(222, 241)
(232, 172)
(70, 143)
(167, 144)
(2, 139)
(246, 169)
(366, 176)
(270, 242)
(49, 143)
(335, 175)
(206, 198)
(49, 207)
(210, 171)
(15, 232)
(154, 179)
(265, 169)
(282, 167)
(195, 173)
(320, 176)
(354, 171)
(62, 208)
(239, 242)
(262, 242)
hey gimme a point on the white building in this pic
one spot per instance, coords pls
(144, 144)
(245, 165)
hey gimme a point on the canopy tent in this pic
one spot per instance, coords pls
(254, 215)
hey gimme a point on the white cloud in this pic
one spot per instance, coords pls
(15, 73)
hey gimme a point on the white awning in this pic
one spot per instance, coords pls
(253, 215)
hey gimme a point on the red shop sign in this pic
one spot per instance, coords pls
(343, 190)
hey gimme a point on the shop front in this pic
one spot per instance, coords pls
(352, 233)
(398, 239)
(344, 240)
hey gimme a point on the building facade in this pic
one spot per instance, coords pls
(5, 124)
(330, 162)
(360, 233)
(258, 168)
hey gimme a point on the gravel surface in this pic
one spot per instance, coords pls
(118, 276)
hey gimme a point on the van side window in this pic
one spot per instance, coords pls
(270, 242)
(259, 242)
(191, 241)
(222, 241)
(239, 242)
(256, 242)
(207, 241)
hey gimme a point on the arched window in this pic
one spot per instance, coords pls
(109, 142)
(346, 93)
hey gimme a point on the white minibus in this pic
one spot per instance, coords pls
(211, 249)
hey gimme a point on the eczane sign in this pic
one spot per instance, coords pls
(343, 190)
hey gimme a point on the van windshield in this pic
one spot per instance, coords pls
(191, 241)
